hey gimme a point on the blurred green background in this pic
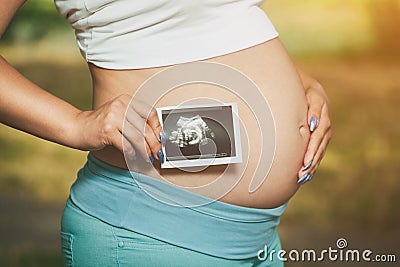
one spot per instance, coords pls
(351, 47)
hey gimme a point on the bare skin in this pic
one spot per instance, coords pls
(294, 98)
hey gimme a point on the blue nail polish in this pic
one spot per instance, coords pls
(162, 138)
(303, 179)
(313, 123)
(309, 178)
(151, 158)
(160, 155)
(307, 166)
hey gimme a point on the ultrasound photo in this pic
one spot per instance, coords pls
(200, 135)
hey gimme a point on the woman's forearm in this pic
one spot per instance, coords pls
(25, 106)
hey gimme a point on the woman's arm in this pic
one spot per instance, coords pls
(319, 123)
(7, 12)
(25, 106)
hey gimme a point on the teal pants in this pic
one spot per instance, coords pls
(88, 241)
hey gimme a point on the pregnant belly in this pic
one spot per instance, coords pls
(271, 70)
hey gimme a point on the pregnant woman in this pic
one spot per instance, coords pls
(120, 217)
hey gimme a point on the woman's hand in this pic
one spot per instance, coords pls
(123, 125)
(320, 127)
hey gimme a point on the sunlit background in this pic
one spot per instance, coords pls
(352, 47)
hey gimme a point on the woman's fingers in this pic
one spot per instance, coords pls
(122, 144)
(320, 153)
(154, 122)
(135, 138)
(153, 143)
(315, 140)
(150, 125)
(112, 125)
(319, 140)
(150, 114)
(319, 125)
(315, 105)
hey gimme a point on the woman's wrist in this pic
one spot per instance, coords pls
(79, 131)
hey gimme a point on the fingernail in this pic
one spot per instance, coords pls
(160, 155)
(162, 138)
(313, 123)
(307, 166)
(309, 178)
(303, 179)
(151, 158)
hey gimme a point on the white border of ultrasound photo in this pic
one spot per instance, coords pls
(237, 158)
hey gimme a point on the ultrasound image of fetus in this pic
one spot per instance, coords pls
(191, 131)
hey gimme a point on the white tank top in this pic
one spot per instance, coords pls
(134, 34)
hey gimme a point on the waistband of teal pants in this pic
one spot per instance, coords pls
(155, 208)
